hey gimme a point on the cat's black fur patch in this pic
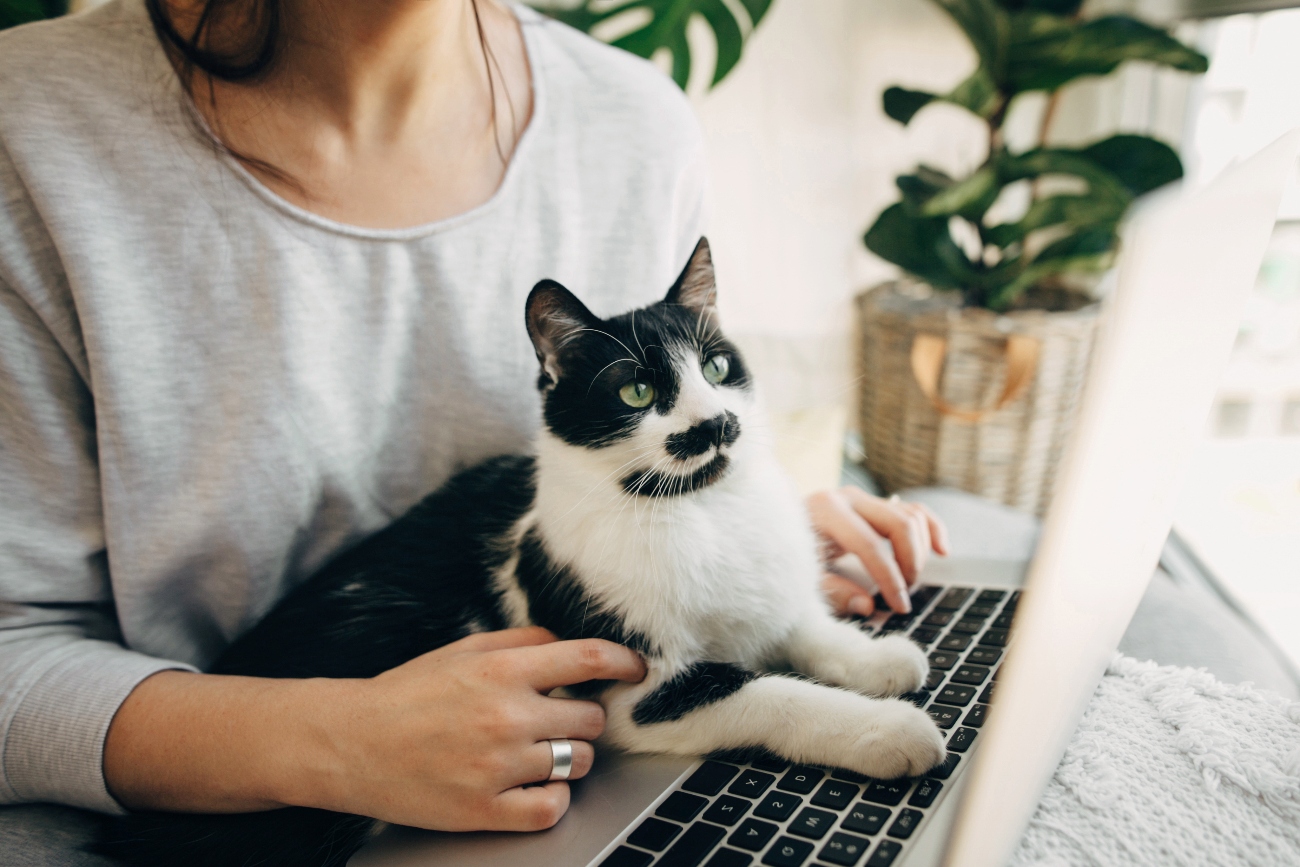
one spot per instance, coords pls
(557, 601)
(649, 483)
(701, 684)
(418, 585)
(721, 430)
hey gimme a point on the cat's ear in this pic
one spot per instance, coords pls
(695, 289)
(554, 315)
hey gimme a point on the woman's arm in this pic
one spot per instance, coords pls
(444, 741)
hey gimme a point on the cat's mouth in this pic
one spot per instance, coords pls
(656, 483)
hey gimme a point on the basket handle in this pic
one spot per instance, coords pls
(928, 351)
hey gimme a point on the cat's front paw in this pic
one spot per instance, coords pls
(902, 742)
(891, 666)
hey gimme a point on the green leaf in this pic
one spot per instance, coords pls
(667, 28)
(977, 94)
(969, 198)
(988, 27)
(1141, 164)
(919, 188)
(901, 104)
(1091, 250)
(15, 12)
(1046, 52)
(919, 245)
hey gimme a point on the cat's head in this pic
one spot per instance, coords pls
(659, 393)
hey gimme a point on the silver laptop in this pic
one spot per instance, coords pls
(1190, 259)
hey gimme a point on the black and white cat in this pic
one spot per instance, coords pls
(654, 514)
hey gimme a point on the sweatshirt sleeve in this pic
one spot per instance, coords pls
(63, 669)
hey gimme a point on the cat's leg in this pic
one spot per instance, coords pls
(837, 652)
(715, 706)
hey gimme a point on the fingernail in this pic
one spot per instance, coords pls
(861, 605)
(907, 606)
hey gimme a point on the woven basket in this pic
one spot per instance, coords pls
(968, 398)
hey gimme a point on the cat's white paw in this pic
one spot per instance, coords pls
(891, 666)
(902, 742)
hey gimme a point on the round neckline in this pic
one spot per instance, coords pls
(528, 19)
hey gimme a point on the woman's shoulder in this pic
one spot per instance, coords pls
(74, 59)
(608, 90)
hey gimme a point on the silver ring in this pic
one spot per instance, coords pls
(561, 759)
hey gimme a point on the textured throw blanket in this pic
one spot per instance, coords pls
(1172, 767)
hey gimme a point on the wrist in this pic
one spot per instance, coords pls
(309, 754)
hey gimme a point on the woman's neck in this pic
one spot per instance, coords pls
(380, 113)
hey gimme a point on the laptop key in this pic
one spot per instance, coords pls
(987, 695)
(885, 854)
(800, 779)
(944, 771)
(811, 823)
(888, 792)
(926, 791)
(835, 795)
(938, 618)
(962, 739)
(980, 611)
(971, 674)
(752, 835)
(975, 718)
(710, 777)
(991, 596)
(898, 621)
(849, 776)
(919, 698)
(770, 762)
(955, 642)
(751, 784)
(1003, 620)
(654, 834)
(905, 824)
(984, 656)
(934, 678)
(943, 660)
(956, 694)
(778, 806)
(967, 627)
(922, 595)
(788, 852)
(727, 810)
(952, 600)
(944, 716)
(729, 858)
(995, 638)
(844, 849)
(865, 819)
(924, 634)
(698, 841)
(626, 857)
(681, 807)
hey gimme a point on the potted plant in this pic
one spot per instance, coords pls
(973, 365)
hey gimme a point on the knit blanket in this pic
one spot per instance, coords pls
(1172, 767)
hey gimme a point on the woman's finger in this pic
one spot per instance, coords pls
(565, 663)
(501, 639)
(836, 519)
(938, 530)
(534, 808)
(846, 596)
(535, 763)
(567, 718)
(891, 522)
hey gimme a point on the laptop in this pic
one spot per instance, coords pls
(1016, 650)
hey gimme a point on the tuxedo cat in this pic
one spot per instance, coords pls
(652, 513)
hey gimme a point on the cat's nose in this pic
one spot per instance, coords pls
(722, 429)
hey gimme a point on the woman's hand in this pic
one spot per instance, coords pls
(449, 739)
(446, 741)
(892, 538)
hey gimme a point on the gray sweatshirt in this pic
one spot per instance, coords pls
(205, 392)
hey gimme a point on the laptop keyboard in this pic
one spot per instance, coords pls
(744, 809)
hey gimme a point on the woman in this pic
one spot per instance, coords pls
(261, 273)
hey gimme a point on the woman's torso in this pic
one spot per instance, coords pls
(268, 386)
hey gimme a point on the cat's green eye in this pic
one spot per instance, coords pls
(637, 394)
(717, 368)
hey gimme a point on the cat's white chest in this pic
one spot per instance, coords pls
(722, 574)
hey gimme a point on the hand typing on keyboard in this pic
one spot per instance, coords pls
(891, 538)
